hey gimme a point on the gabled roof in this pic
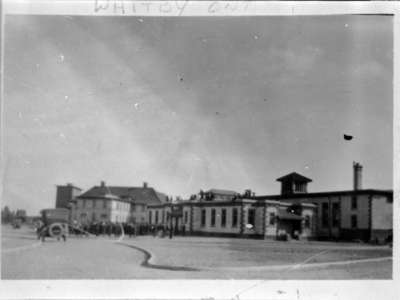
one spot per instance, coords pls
(294, 177)
(140, 195)
(222, 192)
(163, 198)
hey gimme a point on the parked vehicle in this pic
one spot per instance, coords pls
(16, 224)
(54, 223)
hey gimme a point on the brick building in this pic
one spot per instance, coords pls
(358, 214)
(116, 203)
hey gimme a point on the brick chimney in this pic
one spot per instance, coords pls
(357, 176)
(102, 183)
(145, 185)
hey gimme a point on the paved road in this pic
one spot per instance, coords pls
(184, 258)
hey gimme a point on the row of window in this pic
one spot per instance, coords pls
(336, 215)
(102, 203)
(164, 217)
(93, 217)
(87, 203)
(234, 221)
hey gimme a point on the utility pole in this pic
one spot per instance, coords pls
(170, 223)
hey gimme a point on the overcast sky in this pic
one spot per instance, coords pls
(195, 103)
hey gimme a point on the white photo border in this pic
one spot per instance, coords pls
(215, 289)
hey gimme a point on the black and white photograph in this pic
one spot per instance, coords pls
(197, 147)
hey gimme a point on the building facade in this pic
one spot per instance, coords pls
(116, 204)
(233, 215)
(66, 198)
(358, 214)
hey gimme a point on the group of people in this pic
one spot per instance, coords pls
(129, 229)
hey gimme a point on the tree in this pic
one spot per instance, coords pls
(6, 215)
(21, 214)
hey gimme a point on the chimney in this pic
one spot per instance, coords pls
(102, 184)
(357, 176)
(145, 184)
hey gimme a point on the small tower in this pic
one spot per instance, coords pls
(293, 183)
(66, 194)
(357, 176)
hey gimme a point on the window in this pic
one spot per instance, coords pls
(186, 217)
(156, 217)
(213, 217)
(234, 217)
(104, 203)
(251, 216)
(93, 217)
(307, 222)
(104, 216)
(325, 214)
(335, 214)
(271, 218)
(354, 202)
(150, 216)
(203, 217)
(83, 203)
(143, 208)
(354, 221)
(223, 217)
(83, 216)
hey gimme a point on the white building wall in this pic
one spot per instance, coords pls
(382, 213)
(94, 210)
(270, 229)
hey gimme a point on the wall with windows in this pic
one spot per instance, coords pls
(120, 211)
(253, 219)
(92, 210)
(216, 219)
(157, 216)
(271, 221)
(355, 212)
(308, 225)
(138, 213)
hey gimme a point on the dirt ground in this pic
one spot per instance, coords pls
(146, 257)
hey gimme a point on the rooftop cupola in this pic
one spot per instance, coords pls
(293, 183)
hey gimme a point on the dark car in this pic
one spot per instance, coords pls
(54, 223)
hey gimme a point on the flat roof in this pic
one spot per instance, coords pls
(388, 193)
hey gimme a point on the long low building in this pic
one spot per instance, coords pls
(358, 214)
(237, 217)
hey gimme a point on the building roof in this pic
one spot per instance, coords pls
(388, 193)
(139, 195)
(71, 185)
(222, 192)
(294, 177)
